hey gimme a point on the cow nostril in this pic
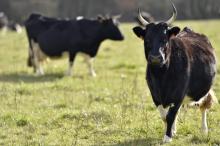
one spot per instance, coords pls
(155, 59)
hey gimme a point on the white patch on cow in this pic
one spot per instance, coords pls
(79, 18)
(195, 104)
(163, 112)
(89, 61)
(167, 139)
(162, 53)
(18, 28)
(174, 126)
(39, 57)
(204, 122)
(174, 130)
(205, 102)
(213, 96)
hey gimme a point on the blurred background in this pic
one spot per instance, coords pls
(18, 10)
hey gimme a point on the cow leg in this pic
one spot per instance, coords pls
(170, 118)
(163, 112)
(174, 124)
(204, 122)
(89, 62)
(37, 63)
(39, 70)
(204, 104)
(71, 59)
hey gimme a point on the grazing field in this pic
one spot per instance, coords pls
(113, 109)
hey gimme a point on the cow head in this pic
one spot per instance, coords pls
(156, 38)
(110, 28)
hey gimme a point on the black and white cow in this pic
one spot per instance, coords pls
(52, 37)
(6, 24)
(180, 65)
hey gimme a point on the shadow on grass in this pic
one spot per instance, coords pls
(149, 141)
(124, 66)
(29, 78)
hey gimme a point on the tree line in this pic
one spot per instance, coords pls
(160, 9)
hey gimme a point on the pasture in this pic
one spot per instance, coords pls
(113, 109)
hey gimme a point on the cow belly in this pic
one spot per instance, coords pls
(201, 80)
(53, 48)
(53, 44)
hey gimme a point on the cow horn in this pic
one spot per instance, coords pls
(141, 19)
(117, 16)
(172, 19)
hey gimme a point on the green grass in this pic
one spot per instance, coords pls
(113, 109)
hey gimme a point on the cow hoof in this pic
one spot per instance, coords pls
(167, 139)
(205, 131)
(173, 132)
(93, 75)
(39, 73)
(69, 74)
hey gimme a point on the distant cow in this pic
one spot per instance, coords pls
(5, 24)
(14, 26)
(52, 37)
(180, 65)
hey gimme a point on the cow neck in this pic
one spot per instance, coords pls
(155, 76)
(97, 42)
(157, 72)
(99, 38)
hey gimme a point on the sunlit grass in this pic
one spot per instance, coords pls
(115, 108)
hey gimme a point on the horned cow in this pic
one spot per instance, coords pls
(180, 64)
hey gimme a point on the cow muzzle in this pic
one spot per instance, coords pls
(155, 60)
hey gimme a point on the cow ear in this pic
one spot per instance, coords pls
(173, 31)
(100, 18)
(139, 32)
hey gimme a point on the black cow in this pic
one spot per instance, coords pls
(52, 37)
(180, 65)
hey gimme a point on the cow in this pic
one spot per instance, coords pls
(180, 65)
(52, 37)
(14, 26)
(6, 24)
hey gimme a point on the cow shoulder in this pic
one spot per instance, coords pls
(89, 28)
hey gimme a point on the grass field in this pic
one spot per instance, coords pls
(113, 109)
